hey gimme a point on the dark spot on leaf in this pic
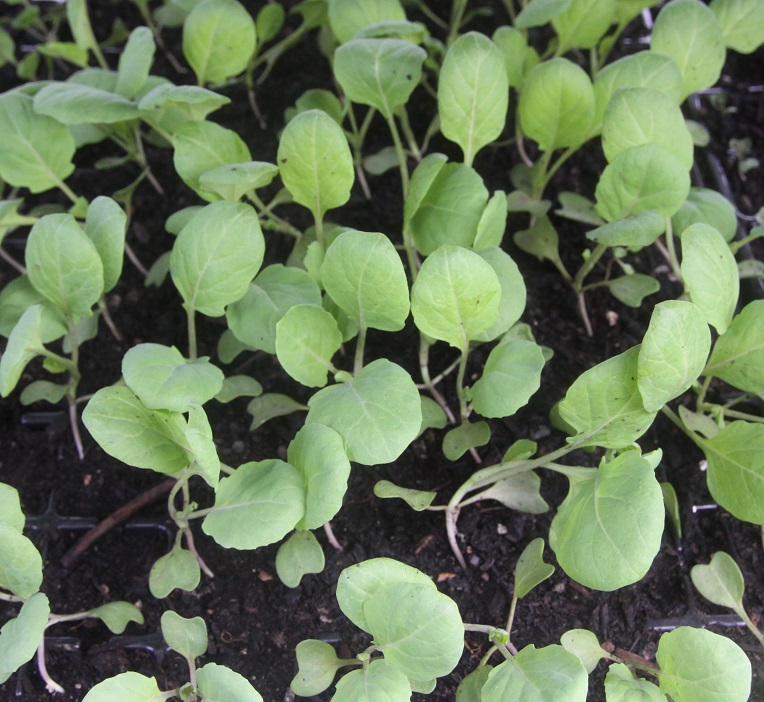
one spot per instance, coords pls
(283, 160)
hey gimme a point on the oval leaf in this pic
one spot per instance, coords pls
(298, 556)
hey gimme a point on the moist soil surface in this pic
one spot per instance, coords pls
(254, 621)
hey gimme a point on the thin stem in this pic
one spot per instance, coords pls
(359, 349)
(191, 319)
(511, 617)
(74, 424)
(703, 390)
(558, 163)
(12, 261)
(331, 538)
(424, 369)
(457, 15)
(734, 414)
(50, 684)
(113, 328)
(671, 250)
(135, 260)
(403, 116)
(319, 224)
(401, 154)
(584, 313)
(273, 221)
(463, 408)
(192, 547)
(4, 597)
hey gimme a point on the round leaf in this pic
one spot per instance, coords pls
(585, 646)
(381, 682)
(346, 17)
(513, 293)
(741, 22)
(10, 508)
(583, 24)
(707, 207)
(117, 615)
(234, 180)
(20, 563)
(177, 569)
(220, 684)
(125, 687)
(298, 556)
(720, 582)
(317, 664)
(186, 636)
(20, 637)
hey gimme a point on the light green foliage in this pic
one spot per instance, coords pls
(585, 645)
(418, 500)
(164, 380)
(704, 206)
(631, 290)
(216, 256)
(445, 204)
(635, 230)
(700, 59)
(583, 23)
(622, 686)
(362, 272)
(466, 436)
(317, 665)
(556, 106)
(79, 24)
(218, 40)
(346, 17)
(19, 637)
(377, 413)
(275, 290)
(471, 685)
(473, 93)
(64, 265)
(130, 432)
(531, 569)
(381, 73)
(176, 569)
(315, 162)
(521, 492)
(201, 446)
(738, 355)
(20, 563)
(74, 103)
(646, 177)
(10, 508)
(736, 469)
(258, 505)
(238, 386)
(271, 405)
(135, 62)
(298, 556)
(202, 146)
(540, 240)
(697, 664)
(456, 296)
(117, 615)
(645, 69)
(710, 274)
(549, 674)
(511, 375)
(629, 9)
(608, 530)
(318, 454)
(24, 343)
(513, 45)
(17, 297)
(318, 99)
(191, 101)
(742, 23)
(232, 181)
(105, 226)
(306, 339)
(637, 116)
(269, 21)
(513, 293)
(493, 223)
(186, 636)
(220, 684)
(673, 353)
(380, 682)
(720, 582)
(538, 12)
(125, 687)
(604, 406)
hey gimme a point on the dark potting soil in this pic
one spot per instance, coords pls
(254, 621)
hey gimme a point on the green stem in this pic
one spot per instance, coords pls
(734, 414)
(564, 156)
(400, 153)
(319, 226)
(191, 324)
(273, 221)
(360, 345)
(594, 256)
(511, 617)
(673, 259)
(403, 116)
(460, 391)
(702, 391)
(424, 368)
(457, 14)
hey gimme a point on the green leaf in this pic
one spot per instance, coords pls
(117, 615)
(64, 265)
(700, 60)
(191, 101)
(218, 40)
(635, 230)
(10, 508)
(74, 103)
(17, 297)
(492, 224)
(422, 179)
(720, 582)
(549, 674)
(513, 293)
(275, 290)
(418, 628)
(298, 556)
(346, 17)
(585, 645)
(646, 177)
(20, 563)
(577, 208)
(418, 500)
(608, 530)
(556, 106)
(538, 12)
(130, 432)
(631, 290)
(125, 687)
(211, 272)
(583, 24)
(220, 684)
(105, 226)
(202, 446)
(637, 116)
(306, 339)
(269, 406)
(234, 180)
(531, 569)
(465, 437)
(540, 240)
(177, 569)
(738, 355)
(135, 62)
(470, 687)
(186, 636)
(710, 274)
(742, 22)
(235, 386)
(377, 413)
(604, 406)
(447, 206)
(706, 207)
(164, 380)
(433, 416)
(24, 344)
(511, 375)
(521, 492)
(673, 352)
(79, 24)
(269, 21)
(622, 686)
(697, 664)
(456, 296)
(317, 664)
(359, 582)
(315, 162)
(381, 73)
(473, 93)
(203, 146)
(513, 45)
(20, 637)
(364, 275)
(379, 682)
(318, 454)
(736, 469)
(258, 505)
